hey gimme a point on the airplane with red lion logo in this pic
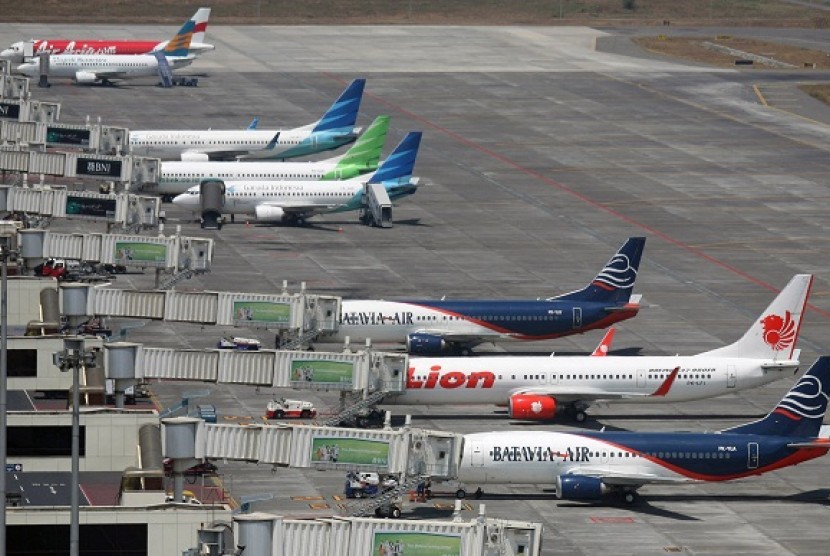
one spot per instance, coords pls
(542, 387)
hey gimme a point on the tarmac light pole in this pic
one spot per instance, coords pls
(5, 244)
(73, 357)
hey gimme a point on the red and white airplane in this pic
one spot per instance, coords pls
(17, 51)
(540, 387)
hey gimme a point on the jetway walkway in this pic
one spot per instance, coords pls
(411, 454)
(129, 211)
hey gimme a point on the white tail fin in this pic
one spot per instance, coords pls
(774, 334)
(201, 18)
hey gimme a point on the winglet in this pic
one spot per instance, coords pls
(666, 386)
(604, 344)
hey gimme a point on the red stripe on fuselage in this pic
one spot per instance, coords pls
(799, 456)
(627, 312)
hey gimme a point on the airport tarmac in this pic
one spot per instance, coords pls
(540, 156)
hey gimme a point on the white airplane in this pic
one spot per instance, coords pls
(586, 465)
(294, 201)
(15, 53)
(105, 68)
(540, 387)
(434, 326)
(335, 129)
(177, 177)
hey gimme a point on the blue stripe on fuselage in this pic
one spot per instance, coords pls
(709, 457)
(528, 319)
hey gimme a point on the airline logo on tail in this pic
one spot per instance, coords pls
(779, 333)
(180, 44)
(617, 274)
(804, 400)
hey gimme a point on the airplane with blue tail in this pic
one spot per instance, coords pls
(293, 201)
(587, 466)
(335, 129)
(439, 326)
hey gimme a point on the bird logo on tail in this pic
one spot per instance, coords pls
(779, 332)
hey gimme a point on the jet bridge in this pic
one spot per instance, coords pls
(124, 169)
(27, 110)
(123, 209)
(409, 453)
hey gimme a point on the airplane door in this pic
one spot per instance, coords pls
(477, 452)
(752, 461)
(577, 317)
(641, 378)
(731, 376)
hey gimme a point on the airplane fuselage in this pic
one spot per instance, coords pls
(494, 379)
(251, 144)
(88, 46)
(394, 321)
(315, 197)
(539, 457)
(125, 66)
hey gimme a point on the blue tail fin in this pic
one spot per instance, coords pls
(400, 163)
(801, 411)
(343, 113)
(615, 281)
(253, 124)
(180, 44)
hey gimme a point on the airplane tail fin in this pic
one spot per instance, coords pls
(774, 335)
(801, 411)
(615, 281)
(254, 123)
(200, 20)
(366, 151)
(179, 45)
(342, 115)
(398, 166)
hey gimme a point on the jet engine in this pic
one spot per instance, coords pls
(265, 213)
(425, 344)
(579, 487)
(85, 77)
(190, 156)
(532, 408)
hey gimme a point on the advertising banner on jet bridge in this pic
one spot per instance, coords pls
(399, 543)
(261, 312)
(322, 372)
(349, 451)
(149, 254)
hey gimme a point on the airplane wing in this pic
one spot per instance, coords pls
(568, 394)
(629, 479)
(305, 209)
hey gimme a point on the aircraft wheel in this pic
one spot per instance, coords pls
(580, 416)
(358, 494)
(479, 493)
(279, 414)
(461, 494)
(465, 351)
(300, 221)
(629, 497)
(395, 513)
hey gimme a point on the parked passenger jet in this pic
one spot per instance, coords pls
(105, 68)
(16, 51)
(294, 201)
(540, 387)
(434, 326)
(177, 177)
(333, 130)
(587, 465)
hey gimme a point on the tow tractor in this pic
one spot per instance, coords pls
(242, 344)
(282, 407)
(370, 485)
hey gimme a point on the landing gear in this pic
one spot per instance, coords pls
(479, 493)
(580, 416)
(577, 412)
(461, 494)
(629, 497)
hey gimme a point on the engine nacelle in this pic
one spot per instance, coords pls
(579, 487)
(85, 77)
(269, 214)
(190, 156)
(425, 344)
(532, 408)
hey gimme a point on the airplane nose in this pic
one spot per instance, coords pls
(186, 200)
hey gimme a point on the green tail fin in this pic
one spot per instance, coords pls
(364, 155)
